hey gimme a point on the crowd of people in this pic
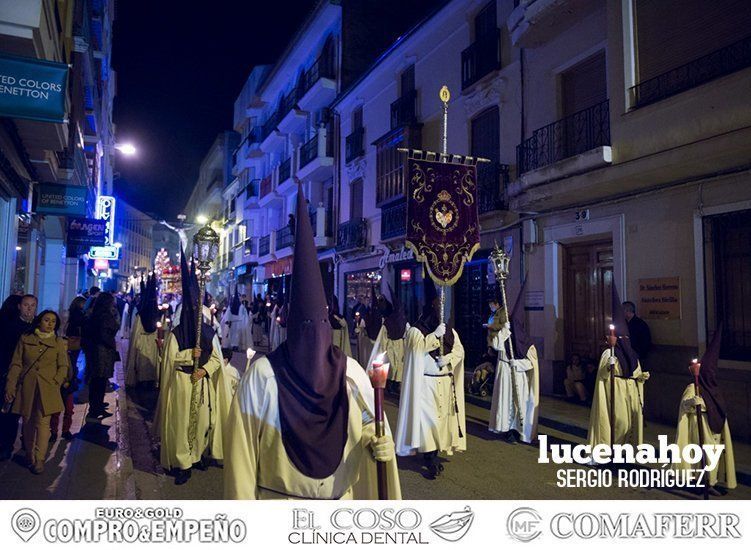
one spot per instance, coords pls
(301, 421)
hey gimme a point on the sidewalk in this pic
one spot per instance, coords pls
(93, 465)
(572, 419)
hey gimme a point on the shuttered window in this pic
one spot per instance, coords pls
(671, 33)
(584, 85)
(355, 199)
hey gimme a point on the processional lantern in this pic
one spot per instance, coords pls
(501, 263)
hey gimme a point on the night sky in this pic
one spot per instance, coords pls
(179, 71)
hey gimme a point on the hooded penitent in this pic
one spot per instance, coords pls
(431, 316)
(148, 311)
(185, 331)
(310, 372)
(373, 319)
(519, 336)
(710, 391)
(627, 357)
(396, 321)
(335, 323)
(234, 307)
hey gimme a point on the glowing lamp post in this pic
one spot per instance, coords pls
(378, 372)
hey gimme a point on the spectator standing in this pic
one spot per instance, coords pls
(639, 333)
(101, 352)
(73, 334)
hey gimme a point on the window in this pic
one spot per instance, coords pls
(584, 85)
(390, 162)
(727, 253)
(357, 118)
(407, 80)
(486, 21)
(355, 199)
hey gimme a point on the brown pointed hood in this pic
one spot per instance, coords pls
(310, 372)
(396, 321)
(373, 319)
(710, 390)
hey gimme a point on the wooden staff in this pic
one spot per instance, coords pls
(695, 368)
(378, 373)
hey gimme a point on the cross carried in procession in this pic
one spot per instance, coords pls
(443, 227)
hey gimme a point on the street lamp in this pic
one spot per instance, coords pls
(127, 149)
(205, 250)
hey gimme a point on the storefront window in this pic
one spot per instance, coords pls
(357, 286)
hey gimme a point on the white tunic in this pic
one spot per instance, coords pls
(428, 420)
(235, 328)
(629, 396)
(520, 378)
(688, 433)
(340, 337)
(174, 407)
(257, 465)
(364, 344)
(142, 361)
(394, 350)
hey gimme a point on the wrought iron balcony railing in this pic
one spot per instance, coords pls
(309, 151)
(266, 186)
(322, 68)
(250, 246)
(482, 57)
(394, 220)
(573, 135)
(354, 146)
(492, 182)
(285, 237)
(352, 235)
(264, 245)
(404, 110)
(253, 189)
(719, 63)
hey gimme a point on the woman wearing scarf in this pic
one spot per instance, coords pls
(191, 436)
(142, 361)
(629, 388)
(431, 406)
(301, 424)
(715, 426)
(38, 370)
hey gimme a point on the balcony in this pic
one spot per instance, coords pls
(268, 192)
(481, 58)
(285, 240)
(492, 182)
(354, 146)
(264, 246)
(250, 250)
(292, 119)
(352, 235)
(394, 220)
(404, 110)
(271, 137)
(285, 170)
(316, 158)
(320, 221)
(534, 22)
(318, 85)
(587, 130)
(717, 64)
(253, 191)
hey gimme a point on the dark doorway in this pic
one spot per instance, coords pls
(471, 310)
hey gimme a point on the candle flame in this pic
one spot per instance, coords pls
(694, 360)
(158, 324)
(250, 352)
(612, 327)
(378, 361)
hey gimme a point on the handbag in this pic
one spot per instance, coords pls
(8, 405)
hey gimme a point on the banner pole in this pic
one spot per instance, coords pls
(445, 95)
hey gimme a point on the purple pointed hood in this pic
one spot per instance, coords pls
(311, 373)
(710, 390)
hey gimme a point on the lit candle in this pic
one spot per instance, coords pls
(695, 367)
(378, 372)
(250, 352)
(612, 330)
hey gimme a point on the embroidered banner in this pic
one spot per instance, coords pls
(443, 226)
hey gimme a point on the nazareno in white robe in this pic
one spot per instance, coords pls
(257, 466)
(364, 344)
(277, 333)
(394, 350)
(427, 418)
(629, 397)
(173, 406)
(340, 337)
(687, 433)
(142, 360)
(524, 374)
(235, 328)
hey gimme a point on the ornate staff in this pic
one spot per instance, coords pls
(378, 373)
(612, 342)
(205, 250)
(695, 368)
(501, 263)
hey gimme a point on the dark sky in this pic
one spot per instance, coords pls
(179, 70)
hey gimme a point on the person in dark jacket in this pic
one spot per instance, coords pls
(73, 334)
(101, 352)
(641, 337)
(16, 315)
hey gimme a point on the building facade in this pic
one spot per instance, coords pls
(134, 234)
(78, 152)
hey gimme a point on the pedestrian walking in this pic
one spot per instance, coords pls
(101, 352)
(73, 334)
(38, 370)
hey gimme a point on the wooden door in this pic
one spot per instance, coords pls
(471, 294)
(588, 276)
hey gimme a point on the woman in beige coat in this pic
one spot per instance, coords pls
(37, 371)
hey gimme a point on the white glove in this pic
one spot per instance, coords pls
(643, 377)
(697, 401)
(440, 330)
(442, 362)
(507, 325)
(382, 448)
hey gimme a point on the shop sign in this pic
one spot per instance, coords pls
(60, 200)
(85, 232)
(33, 88)
(534, 300)
(404, 254)
(659, 298)
(405, 275)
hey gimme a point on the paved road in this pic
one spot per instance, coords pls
(119, 459)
